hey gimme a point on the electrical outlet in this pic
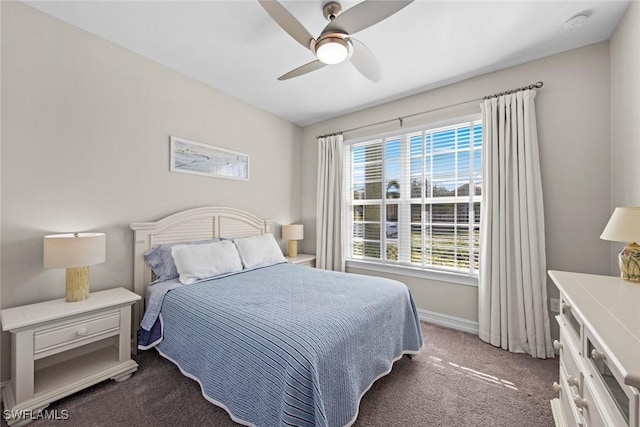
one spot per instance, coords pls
(555, 305)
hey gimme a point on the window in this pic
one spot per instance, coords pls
(413, 199)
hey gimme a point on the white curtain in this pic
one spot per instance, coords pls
(512, 300)
(329, 204)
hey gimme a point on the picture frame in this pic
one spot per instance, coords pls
(196, 158)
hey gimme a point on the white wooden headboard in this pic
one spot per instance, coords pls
(189, 225)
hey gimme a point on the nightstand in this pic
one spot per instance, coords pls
(303, 259)
(59, 348)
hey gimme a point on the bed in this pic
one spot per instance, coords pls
(274, 343)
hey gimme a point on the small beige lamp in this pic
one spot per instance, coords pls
(624, 226)
(293, 233)
(75, 252)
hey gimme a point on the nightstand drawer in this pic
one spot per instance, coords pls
(62, 334)
(306, 260)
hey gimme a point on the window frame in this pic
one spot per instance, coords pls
(383, 265)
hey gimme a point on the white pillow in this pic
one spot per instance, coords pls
(195, 262)
(259, 251)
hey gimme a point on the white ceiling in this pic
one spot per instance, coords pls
(237, 48)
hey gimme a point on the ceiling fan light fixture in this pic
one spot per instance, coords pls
(332, 50)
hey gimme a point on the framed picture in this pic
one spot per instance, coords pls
(203, 159)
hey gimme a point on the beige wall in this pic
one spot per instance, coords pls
(573, 124)
(85, 146)
(625, 115)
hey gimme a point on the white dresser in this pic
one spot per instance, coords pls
(599, 351)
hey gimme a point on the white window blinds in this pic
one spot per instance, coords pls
(414, 198)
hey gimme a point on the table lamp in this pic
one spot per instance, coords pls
(75, 252)
(624, 226)
(293, 233)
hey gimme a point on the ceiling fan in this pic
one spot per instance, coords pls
(335, 44)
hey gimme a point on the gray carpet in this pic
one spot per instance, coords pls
(457, 380)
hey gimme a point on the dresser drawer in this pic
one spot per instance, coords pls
(569, 356)
(570, 321)
(77, 332)
(617, 401)
(567, 395)
(595, 413)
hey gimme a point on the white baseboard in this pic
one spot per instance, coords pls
(447, 321)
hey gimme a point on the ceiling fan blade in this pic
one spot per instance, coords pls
(306, 68)
(363, 15)
(364, 61)
(287, 21)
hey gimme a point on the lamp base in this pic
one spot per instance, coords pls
(629, 262)
(293, 248)
(77, 288)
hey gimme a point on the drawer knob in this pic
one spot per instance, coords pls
(572, 381)
(82, 332)
(580, 402)
(557, 344)
(597, 355)
(556, 387)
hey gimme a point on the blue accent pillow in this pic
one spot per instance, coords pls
(161, 261)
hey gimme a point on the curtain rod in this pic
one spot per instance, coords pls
(536, 85)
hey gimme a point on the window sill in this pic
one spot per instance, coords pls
(440, 276)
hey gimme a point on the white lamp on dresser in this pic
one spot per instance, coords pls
(75, 252)
(624, 226)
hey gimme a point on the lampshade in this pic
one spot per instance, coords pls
(332, 50)
(293, 232)
(73, 250)
(623, 226)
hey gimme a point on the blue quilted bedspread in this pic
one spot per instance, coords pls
(288, 345)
